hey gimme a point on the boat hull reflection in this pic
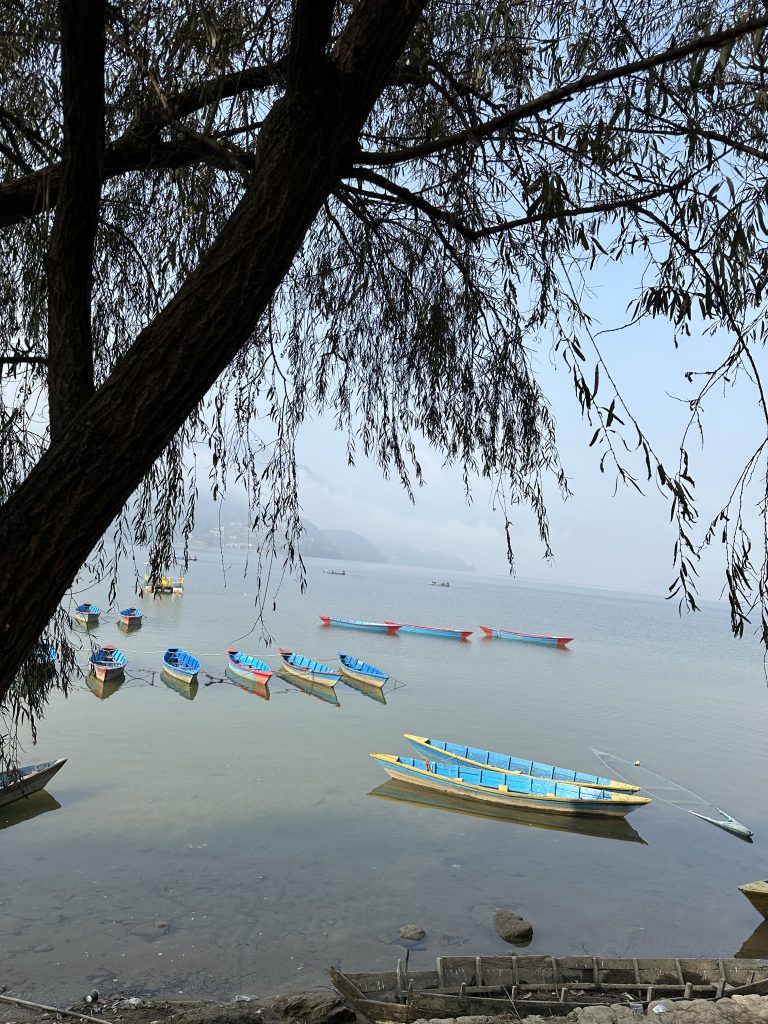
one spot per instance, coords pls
(598, 828)
(186, 690)
(103, 688)
(27, 808)
(325, 693)
(756, 946)
(257, 689)
(369, 689)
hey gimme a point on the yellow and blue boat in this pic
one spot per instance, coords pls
(505, 789)
(307, 669)
(440, 750)
(87, 614)
(361, 671)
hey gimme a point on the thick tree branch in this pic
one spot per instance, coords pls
(563, 93)
(309, 38)
(70, 253)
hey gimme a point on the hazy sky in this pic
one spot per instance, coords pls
(601, 539)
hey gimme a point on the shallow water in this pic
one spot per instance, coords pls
(229, 844)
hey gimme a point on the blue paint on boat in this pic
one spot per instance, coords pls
(246, 666)
(362, 667)
(87, 613)
(370, 627)
(449, 634)
(308, 668)
(108, 657)
(181, 663)
(132, 613)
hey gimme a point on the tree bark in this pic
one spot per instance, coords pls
(50, 525)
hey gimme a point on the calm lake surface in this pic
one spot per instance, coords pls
(229, 844)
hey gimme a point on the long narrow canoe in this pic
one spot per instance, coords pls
(439, 750)
(308, 669)
(670, 792)
(450, 634)
(371, 627)
(531, 638)
(504, 789)
(247, 668)
(107, 662)
(87, 614)
(24, 781)
(757, 894)
(550, 986)
(180, 664)
(354, 668)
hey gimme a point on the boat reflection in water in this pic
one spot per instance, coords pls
(257, 689)
(369, 689)
(756, 946)
(186, 690)
(322, 691)
(102, 688)
(599, 828)
(29, 807)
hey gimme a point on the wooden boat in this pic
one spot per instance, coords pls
(353, 668)
(180, 664)
(531, 638)
(439, 750)
(372, 627)
(247, 668)
(576, 824)
(107, 662)
(87, 614)
(757, 894)
(104, 688)
(504, 789)
(20, 783)
(670, 792)
(306, 669)
(522, 985)
(335, 572)
(438, 583)
(186, 688)
(451, 634)
(131, 616)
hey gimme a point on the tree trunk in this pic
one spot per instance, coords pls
(54, 520)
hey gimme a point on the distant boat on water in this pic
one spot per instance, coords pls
(335, 572)
(370, 627)
(450, 634)
(163, 584)
(531, 638)
(438, 583)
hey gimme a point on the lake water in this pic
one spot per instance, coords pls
(229, 844)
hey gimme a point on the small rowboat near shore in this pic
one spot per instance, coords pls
(450, 634)
(439, 750)
(87, 614)
(307, 669)
(25, 781)
(370, 627)
(531, 638)
(550, 986)
(107, 663)
(180, 664)
(246, 668)
(131, 616)
(757, 894)
(504, 789)
(353, 668)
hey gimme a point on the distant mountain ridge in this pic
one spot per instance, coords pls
(347, 545)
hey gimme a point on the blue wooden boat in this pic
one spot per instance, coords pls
(107, 662)
(361, 671)
(87, 614)
(131, 616)
(180, 664)
(45, 655)
(247, 668)
(531, 638)
(305, 668)
(505, 789)
(439, 750)
(450, 634)
(370, 627)
(24, 781)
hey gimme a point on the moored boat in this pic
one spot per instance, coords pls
(20, 783)
(180, 664)
(757, 894)
(531, 638)
(544, 985)
(307, 669)
(354, 668)
(131, 616)
(247, 668)
(335, 572)
(439, 583)
(505, 789)
(165, 583)
(371, 627)
(440, 750)
(107, 662)
(87, 614)
(45, 655)
(450, 634)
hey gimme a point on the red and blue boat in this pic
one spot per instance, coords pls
(248, 669)
(107, 663)
(450, 634)
(371, 627)
(531, 638)
(87, 614)
(307, 669)
(131, 616)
